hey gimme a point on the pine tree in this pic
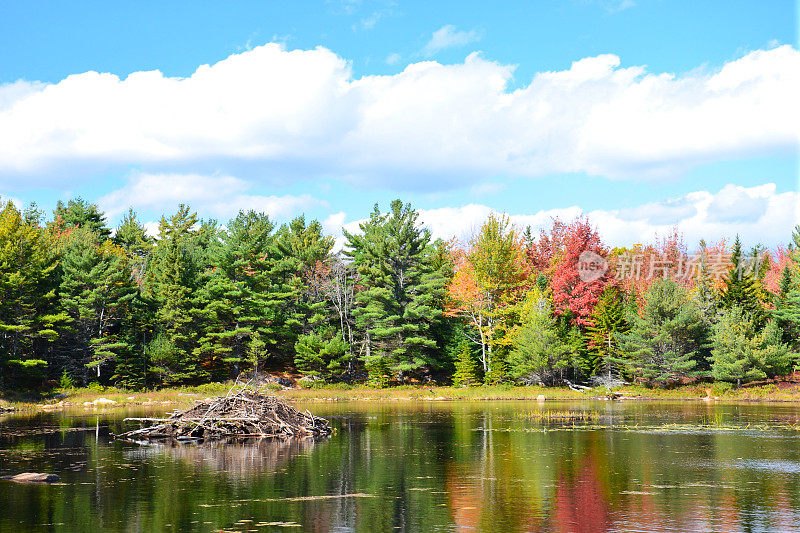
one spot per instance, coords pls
(137, 329)
(321, 353)
(741, 285)
(787, 316)
(394, 315)
(299, 248)
(743, 351)
(606, 323)
(132, 237)
(175, 275)
(80, 213)
(96, 291)
(664, 340)
(29, 315)
(234, 305)
(466, 366)
(538, 353)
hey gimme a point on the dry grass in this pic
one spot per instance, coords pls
(561, 416)
(187, 396)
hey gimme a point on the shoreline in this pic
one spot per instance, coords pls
(92, 399)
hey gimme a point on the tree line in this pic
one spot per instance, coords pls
(200, 302)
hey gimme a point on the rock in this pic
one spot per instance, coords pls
(33, 477)
(103, 401)
(540, 398)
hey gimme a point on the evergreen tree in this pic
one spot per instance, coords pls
(741, 285)
(299, 248)
(607, 321)
(538, 355)
(137, 329)
(96, 291)
(394, 314)
(138, 246)
(234, 303)
(175, 275)
(466, 366)
(320, 353)
(743, 351)
(80, 213)
(29, 315)
(665, 338)
(787, 316)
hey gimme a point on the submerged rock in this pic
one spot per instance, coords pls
(33, 477)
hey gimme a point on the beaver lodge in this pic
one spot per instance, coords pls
(245, 413)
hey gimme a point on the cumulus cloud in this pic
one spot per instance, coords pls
(218, 196)
(297, 114)
(659, 213)
(448, 37)
(734, 203)
(698, 215)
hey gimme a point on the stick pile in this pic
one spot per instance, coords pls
(245, 413)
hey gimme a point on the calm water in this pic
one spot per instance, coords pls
(424, 467)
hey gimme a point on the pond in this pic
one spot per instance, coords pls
(425, 466)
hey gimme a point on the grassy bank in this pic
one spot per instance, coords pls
(108, 398)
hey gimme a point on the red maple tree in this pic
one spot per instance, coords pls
(573, 292)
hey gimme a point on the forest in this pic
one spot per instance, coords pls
(202, 301)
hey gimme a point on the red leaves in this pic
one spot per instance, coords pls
(572, 292)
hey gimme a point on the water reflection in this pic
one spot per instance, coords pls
(423, 467)
(237, 459)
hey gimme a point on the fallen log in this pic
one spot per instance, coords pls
(245, 413)
(32, 477)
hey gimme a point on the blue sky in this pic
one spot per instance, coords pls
(621, 108)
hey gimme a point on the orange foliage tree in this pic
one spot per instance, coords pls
(490, 276)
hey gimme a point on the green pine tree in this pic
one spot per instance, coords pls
(175, 274)
(299, 249)
(466, 366)
(743, 351)
(787, 316)
(29, 316)
(80, 213)
(665, 338)
(234, 304)
(321, 353)
(538, 354)
(96, 291)
(400, 288)
(742, 285)
(607, 323)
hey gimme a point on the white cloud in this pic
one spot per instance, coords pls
(333, 223)
(218, 196)
(151, 228)
(13, 199)
(448, 37)
(734, 203)
(298, 114)
(698, 215)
